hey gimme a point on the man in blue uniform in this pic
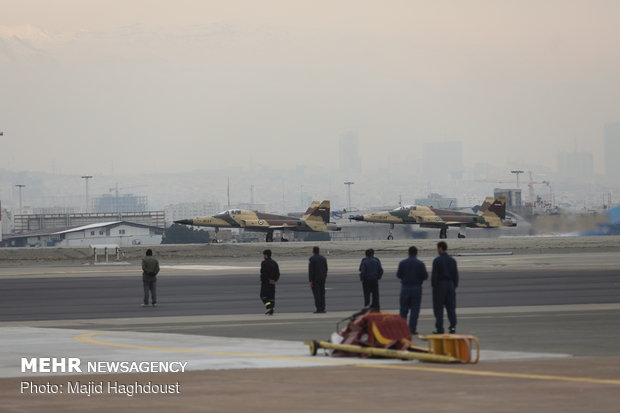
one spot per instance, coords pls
(269, 276)
(412, 273)
(317, 274)
(445, 280)
(371, 272)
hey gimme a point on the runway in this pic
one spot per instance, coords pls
(93, 292)
(505, 300)
(542, 320)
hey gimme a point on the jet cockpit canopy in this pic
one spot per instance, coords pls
(406, 208)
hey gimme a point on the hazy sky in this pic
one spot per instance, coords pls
(143, 86)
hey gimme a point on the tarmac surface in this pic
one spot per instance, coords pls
(547, 323)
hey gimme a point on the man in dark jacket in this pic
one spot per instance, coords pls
(412, 273)
(317, 274)
(371, 272)
(269, 276)
(150, 269)
(445, 280)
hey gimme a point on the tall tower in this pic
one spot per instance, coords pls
(612, 150)
(349, 153)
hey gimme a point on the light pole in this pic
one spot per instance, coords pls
(86, 178)
(517, 172)
(348, 184)
(20, 186)
(1, 134)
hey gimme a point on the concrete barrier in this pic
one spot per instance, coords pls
(342, 249)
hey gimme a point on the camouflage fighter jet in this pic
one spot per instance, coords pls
(316, 219)
(491, 214)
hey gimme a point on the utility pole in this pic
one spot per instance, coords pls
(1, 134)
(348, 184)
(228, 192)
(20, 186)
(252, 195)
(86, 178)
(517, 172)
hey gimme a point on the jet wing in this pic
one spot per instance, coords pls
(263, 225)
(441, 224)
(284, 226)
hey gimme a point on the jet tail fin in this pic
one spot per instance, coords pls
(318, 212)
(488, 201)
(310, 209)
(493, 207)
(499, 207)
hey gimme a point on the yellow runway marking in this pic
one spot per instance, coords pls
(174, 327)
(190, 327)
(90, 338)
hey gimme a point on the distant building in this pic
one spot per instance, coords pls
(6, 222)
(252, 207)
(612, 150)
(576, 165)
(55, 210)
(349, 153)
(442, 161)
(120, 203)
(26, 223)
(513, 197)
(186, 210)
(437, 201)
(119, 233)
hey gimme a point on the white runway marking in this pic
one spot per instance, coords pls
(201, 352)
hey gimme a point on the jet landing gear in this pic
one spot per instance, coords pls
(269, 237)
(462, 232)
(390, 236)
(215, 240)
(443, 233)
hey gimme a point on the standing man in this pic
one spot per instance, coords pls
(412, 273)
(269, 276)
(317, 274)
(150, 269)
(371, 272)
(445, 280)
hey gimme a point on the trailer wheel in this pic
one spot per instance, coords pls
(314, 346)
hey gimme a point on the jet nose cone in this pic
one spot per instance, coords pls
(185, 222)
(356, 217)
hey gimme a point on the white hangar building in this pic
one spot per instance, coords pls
(121, 233)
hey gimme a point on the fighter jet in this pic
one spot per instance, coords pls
(491, 214)
(316, 219)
